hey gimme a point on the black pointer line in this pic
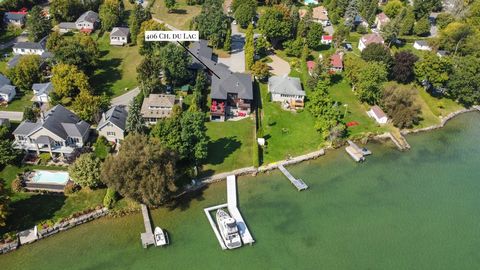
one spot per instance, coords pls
(197, 59)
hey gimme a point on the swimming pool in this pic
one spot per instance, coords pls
(50, 177)
(308, 2)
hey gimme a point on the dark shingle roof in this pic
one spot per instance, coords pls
(15, 16)
(120, 32)
(201, 50)
(230, 82)
(29, 45)
(89, 16)
(285, 85)
(116, 115)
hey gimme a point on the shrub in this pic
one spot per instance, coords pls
(44, 158)
(110, 198)
(17, 184)
(102, 148)
(70, 188)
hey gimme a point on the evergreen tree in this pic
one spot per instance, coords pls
(249, 47)
(38, 25)
(350, 13)
(228, 40)
(137, 17)
(135, 122)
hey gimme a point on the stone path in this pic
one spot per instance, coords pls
(278, 66)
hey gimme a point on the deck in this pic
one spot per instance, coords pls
(298, 183)
(146, 237)
(357, 153)
(233, 209)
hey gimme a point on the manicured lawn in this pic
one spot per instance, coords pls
(287, 133)
(20, 101)
(230, 146)
(439, 106)
(117, 71)
(181, 16)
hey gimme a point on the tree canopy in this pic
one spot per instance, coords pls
(175, 62)
(137, 17)
(245, 12)
(111, 13)
(68, 81)
(464, 81)
(276, 24)
(4, 202)
(399, 102)
(85, 171)
(403, 67)
(212, 23)
(26, 72)
(38, 25)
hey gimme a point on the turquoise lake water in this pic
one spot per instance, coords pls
(414, 210)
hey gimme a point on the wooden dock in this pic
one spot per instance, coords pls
(356, 152)
(298, 183)
(147, 237)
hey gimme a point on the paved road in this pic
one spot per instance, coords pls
(12, 116)
(236, 61)
(126, 98)
(166, 24)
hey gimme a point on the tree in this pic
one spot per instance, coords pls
(393, 8)
(249, 47)
(408, 22)
(275, 25)
(175, 62)
(4, 202)
(143, 170)
(473, 16)
(68, 81)
(350, 13)
(135, 122)
(38, 25)
(399, 102)
(88, 107)
(294, 47)
(262, 46)
(460, 38)
(366, 78)
(170, 5)
(260, 70)
(227, 45)
(432, 69)
(403, 67)
(422, 27)
(212, 23)
(29, 114)
(81, 51)
(85, 171)
(245, 12)
(110, 13)
(422, 8)
(137, 17)
(341, 34)
(65, 10)
(7, 153)
(149, 74)
(443, 19)
(26, 72)
(54, 41)
(314, 36)
(200, 90)
(464, 81)
(377, 52)
(391, 30)
(150, 47)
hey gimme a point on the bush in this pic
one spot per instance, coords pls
(70, 188)
(110, 198)
(44, 158)
(17, 184)
(102, 148)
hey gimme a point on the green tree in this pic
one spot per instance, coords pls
(29, 114)
(245, 12)
(194, 136)
(408, 22)
(65, 10)
(314, 36)
(294, 47)
(111, 13)
(88, 107)
(403, 67)
(249, 47)
(341, 34)
(460, 38)
(422, 8)
(262, 46)
(464, 81)
(170, 5)
(85, 171)
(4, 202)
(370, 78)
(275, 25)
(68, 81)
(227, 45)
(443, 19)
(399, 102)
(143, 170)
(175, 62)
(150, 47)
(149, 74)
(377, 52)
(81, 51)
(135, 122)
(38, 25)
(7, 153)
(433, 69)
(260, 70)
(137, 17)
(26, 72)
(212, 23)
(393, 8)
(200, 90)
(422, 27)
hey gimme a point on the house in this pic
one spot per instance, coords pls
(158, 106)
(7, 91)
(326, 40)
(15, 18)
(202, 51)
(336, 62)
(112, 125)
(368, 39)
(442, 53)
(119, 36)
(311, 67)
(287, 90)
(41, 92)
(65, 27)
(4, 122)
(319, 15)
(378, 114)
(358, 20)
(422, 45)
(45, 57)
(59, 131)
(88, 21)
(23, 48)
(381, 20)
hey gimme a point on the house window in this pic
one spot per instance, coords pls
(110, 133)
(20, 138)
(74, 140)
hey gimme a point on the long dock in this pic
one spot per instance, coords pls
(298, 183)
(233, 209)
(146, 237)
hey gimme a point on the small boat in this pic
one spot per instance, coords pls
(161, 237)
(228, 229)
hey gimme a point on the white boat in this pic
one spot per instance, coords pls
(228, 229)
(161, 237)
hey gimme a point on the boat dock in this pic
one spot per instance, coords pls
(213, 224)
(357, 153)
(298, 183)
(146, 237)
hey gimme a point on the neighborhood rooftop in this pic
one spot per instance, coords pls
(89, 16)
(116, 115)
(120, 32)
(285, 85)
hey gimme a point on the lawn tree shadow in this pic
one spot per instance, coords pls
(178, 11)
(108, 75)
(29, 212)
(183, 201)
(220, 149)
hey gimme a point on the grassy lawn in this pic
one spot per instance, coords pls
(439, 106)
(287, 133)
(230, 146)
(181, 16)
(9, 33)
(20, 101)
(117, 71)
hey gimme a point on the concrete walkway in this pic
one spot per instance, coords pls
(278, 66)
(126, 98)
(12, 116)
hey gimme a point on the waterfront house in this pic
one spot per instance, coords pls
(15, 18)
(319, 15)
(119, 36)
(112, 125)
(7, 91)
(377, 113)
(88, 22)
(158, 106)
(287, 90)
(422, 45)
(368, 39)
(381, 20)
(336, 62)
(23, 48)
(59, 131)
(41, 92)
(326, 40)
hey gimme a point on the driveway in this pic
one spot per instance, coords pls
(278, 66)
(12, 116)
(329, 29)
(22, 38)
(126, 98)
(236, 61)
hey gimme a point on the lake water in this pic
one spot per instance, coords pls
(414, 210)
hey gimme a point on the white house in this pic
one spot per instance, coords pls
(23, 48)
(41, 92)
(368, 39)
(326, 40)
(287, 90)
(88, 21)
(7, 91)
(119, 36)
(422, 45)
(112, 124)
(381, 20)
(378, 114)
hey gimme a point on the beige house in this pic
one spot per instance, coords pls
(368, 39)
(319, 15)
(158, 106)
(112, 124)
(381, 20)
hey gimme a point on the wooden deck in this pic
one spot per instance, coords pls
(298, 183)
(146, 237)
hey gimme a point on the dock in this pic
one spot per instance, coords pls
(146, 237)
(213, 224)
(357, 153)
(298, 183)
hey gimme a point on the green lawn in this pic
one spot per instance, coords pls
(439, 106)
(287, 133)
(180, 18)
(230, 146)
(10, 33)
(20, 101)
(117, 71)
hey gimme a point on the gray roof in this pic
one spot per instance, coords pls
(4, 122)
(422, 42)
(4, 80)
(14, 61)
(67, 25)
(15, 16)
(120, 32)
(89, 16)
(29, 45)
(57, 120)
(201, 50)
(116, 115)
(42, 87)
(8, 89)
(285, 85)
(230, 83)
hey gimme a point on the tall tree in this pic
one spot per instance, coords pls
(350, 13)
(88, 107)
(81, 51)
(26, 72)
(7, 153)
(245, 12)
(68, 81)
(143, 170)
(111, 13)
(275, 25)
(65, 10)
(377, 52)
(393, 8)
(212, 23)
(38, 25)
(249, 47)
(149, 74)
(314, 36)
(170, 5)
(150, 47)
(137, 17)
(464, 82)
(135, 122)
(403, 67)
(175, 62)
(399, 102)
(433, 69)
(4, 202)
(85, 171)
(422, 27)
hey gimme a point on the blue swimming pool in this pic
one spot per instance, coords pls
(308, 2)
(50, 177)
